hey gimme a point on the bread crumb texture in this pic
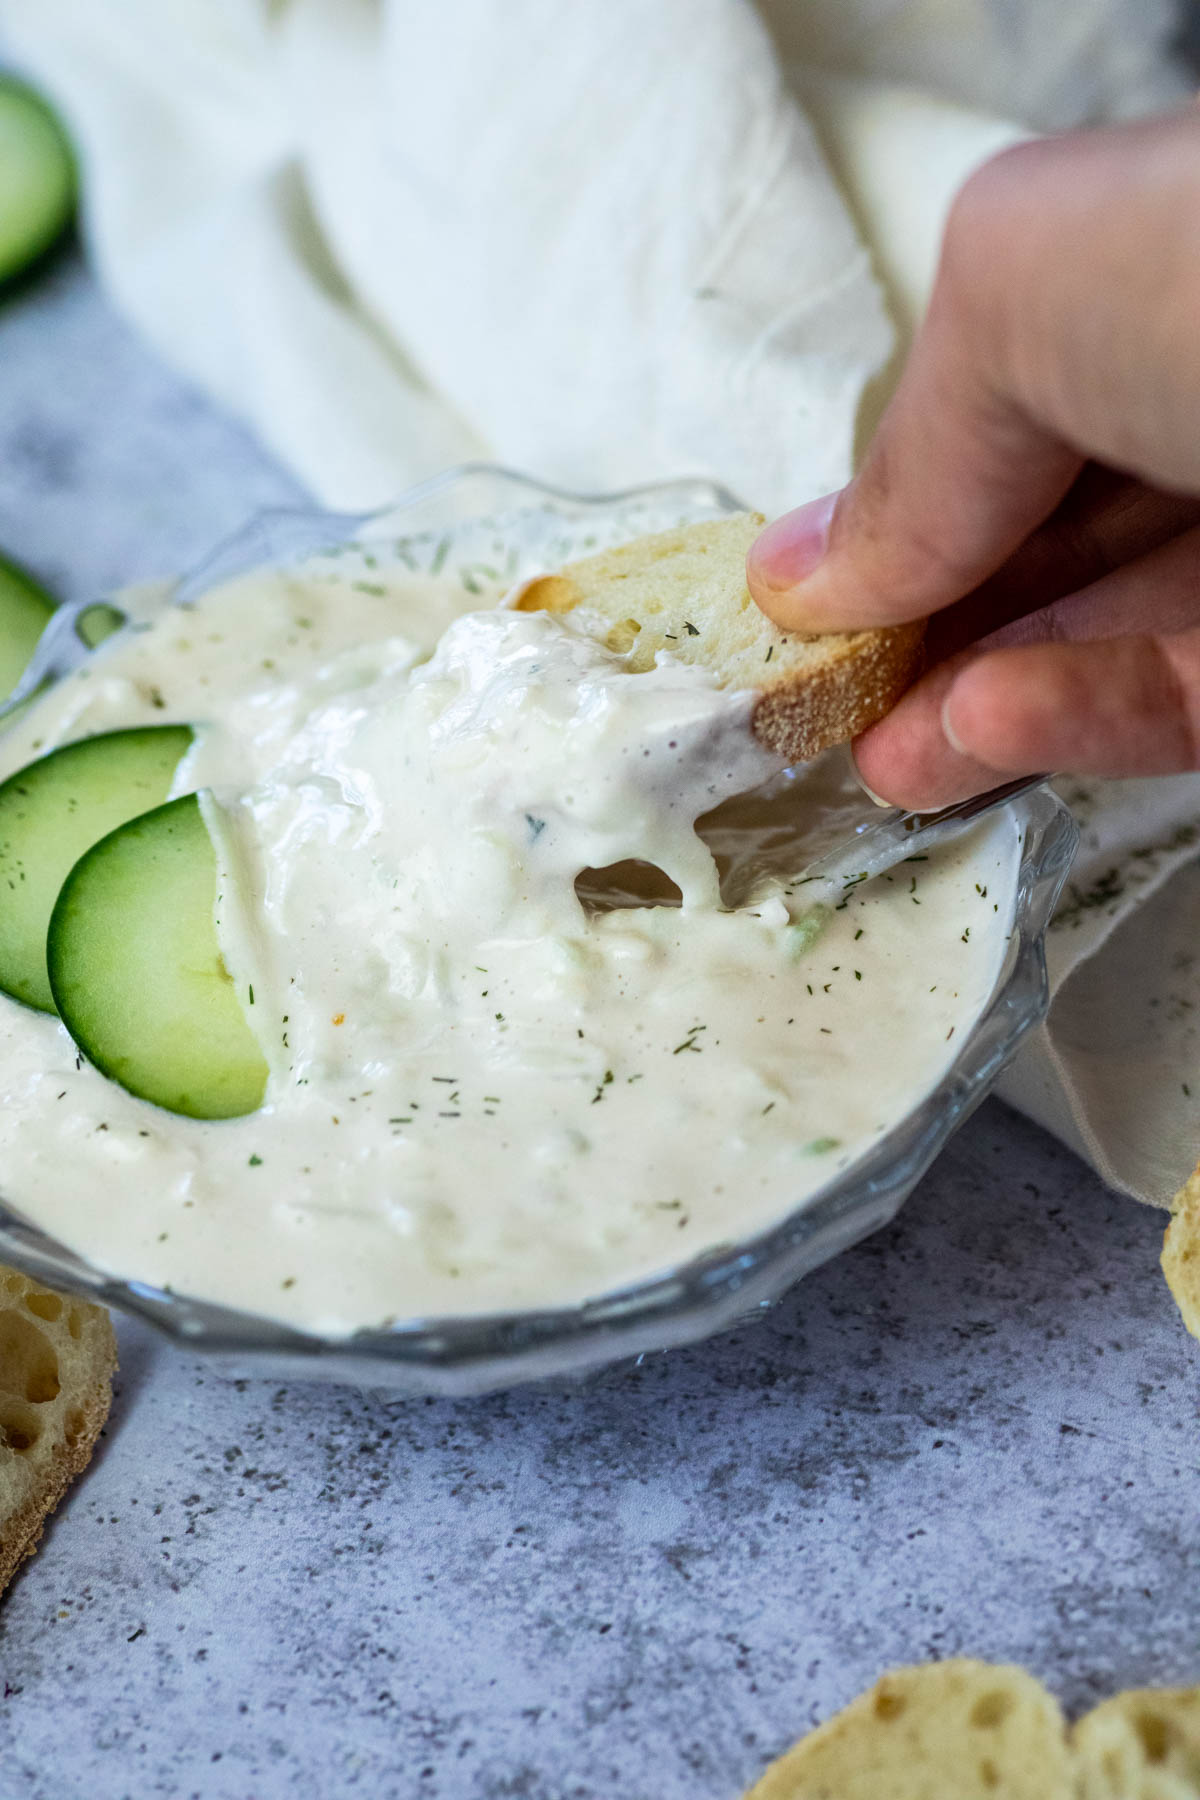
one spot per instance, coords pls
(685, 591)
(1144, 1744)
(57, 1357)
(1181, 1251)
(964, 1730)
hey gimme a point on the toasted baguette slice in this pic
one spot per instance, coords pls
(1141, 1745)
(685, 591)
(1181, 1251)
(956, 1730)
(57, 1357)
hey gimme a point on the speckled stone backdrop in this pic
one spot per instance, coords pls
(976, 1433)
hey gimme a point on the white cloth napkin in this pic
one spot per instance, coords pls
(609, 243)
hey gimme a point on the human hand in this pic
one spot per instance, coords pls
(1035, 483)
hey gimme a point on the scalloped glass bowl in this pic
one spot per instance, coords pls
(480, 522)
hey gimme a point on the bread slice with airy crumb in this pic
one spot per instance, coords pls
(57, 1357)
(685, 591)
(966, 1730)
(1141, 1745)
(957, 1730)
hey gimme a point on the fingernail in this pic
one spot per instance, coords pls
(868, 791)
(789, 550)
(948, 731)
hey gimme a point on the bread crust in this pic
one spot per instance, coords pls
(75, 1339)
(22, 1532)
(863, 676)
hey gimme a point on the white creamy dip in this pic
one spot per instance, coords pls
(484, 1095)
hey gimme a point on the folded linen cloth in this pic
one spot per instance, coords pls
(614, 244)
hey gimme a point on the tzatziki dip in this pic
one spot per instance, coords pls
(495, 1081)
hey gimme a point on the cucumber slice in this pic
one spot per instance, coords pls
(50, 812)
(137, 974)
(37, 178)
(24, 610)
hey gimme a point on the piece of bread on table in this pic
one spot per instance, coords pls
(1181, 1251)
(964, 1730)
(1140, 1745)
(957, 1730)
(57, 1357)
(685, 591)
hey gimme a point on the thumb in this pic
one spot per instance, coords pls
(954, 482)
(1053, 335)
(955, 478)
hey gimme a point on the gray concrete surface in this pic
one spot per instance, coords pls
(976, 1433)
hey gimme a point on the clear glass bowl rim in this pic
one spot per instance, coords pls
(479, 1353)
